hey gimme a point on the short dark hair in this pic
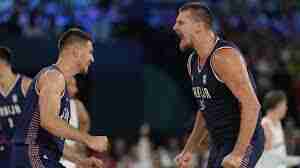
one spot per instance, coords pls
(200, 11)
(5, 54)
(273, 98)
(73, 35)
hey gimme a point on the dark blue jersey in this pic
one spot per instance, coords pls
(220, 108)
(29, 130)
(11, 107)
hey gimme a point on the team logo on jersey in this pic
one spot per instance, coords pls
(14, 98)
(204, 79)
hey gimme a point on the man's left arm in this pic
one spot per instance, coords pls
(84, 124)
(231, 68)
(83, 116)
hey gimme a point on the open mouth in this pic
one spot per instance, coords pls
(180, 35)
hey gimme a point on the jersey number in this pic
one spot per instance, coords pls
(202, 105)
(10, 122)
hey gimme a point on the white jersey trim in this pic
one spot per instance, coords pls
(189, 63)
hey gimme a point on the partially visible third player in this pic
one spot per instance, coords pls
(13, 88)
(79, 119)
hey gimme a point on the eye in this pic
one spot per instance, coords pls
(180, 22)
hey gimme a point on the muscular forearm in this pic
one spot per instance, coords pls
(60, 128)
(249, 115)
(196, 142)
(50, 105)
(203, 143)
(198, 134)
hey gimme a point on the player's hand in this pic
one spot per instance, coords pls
(90, 162)
(183, 159)
(178, 158)
(232, 161)
(98, 143)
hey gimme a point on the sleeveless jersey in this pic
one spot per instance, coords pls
(220, 108)
(11, 107)
(29, 130)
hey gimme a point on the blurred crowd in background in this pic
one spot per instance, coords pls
(267, 31)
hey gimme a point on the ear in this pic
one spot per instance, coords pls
(199, 27)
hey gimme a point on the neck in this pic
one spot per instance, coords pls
(67, 68)
(272, 116)
(204, 45)
(7, 78)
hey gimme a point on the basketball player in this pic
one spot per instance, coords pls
(13, 88)
(275, 155)
(228, 105)
(79, 119)
(39, 139)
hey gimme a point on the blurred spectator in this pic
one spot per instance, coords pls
(33, 29)
(275, 154)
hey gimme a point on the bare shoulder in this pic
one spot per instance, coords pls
(229, 64)
(51, 80)
(228, 56)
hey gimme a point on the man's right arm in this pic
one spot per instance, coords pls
(49, 103)
(268, 134)
(83, 116)
(198, 135)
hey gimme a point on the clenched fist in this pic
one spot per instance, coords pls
(98, 143)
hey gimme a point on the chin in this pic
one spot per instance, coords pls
(86, 71)
(83, 71)
(184, 46)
